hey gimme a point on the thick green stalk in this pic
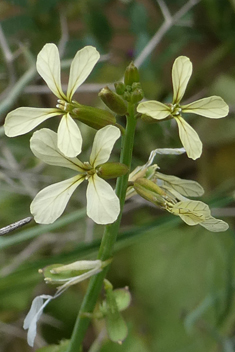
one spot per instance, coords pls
(108, 240)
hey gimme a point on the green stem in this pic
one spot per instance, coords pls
(108, 240)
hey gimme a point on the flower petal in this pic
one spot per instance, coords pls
(23, 120)
(192, 212)
(44, 146)
(214, 225)
(69, 137)
(103, 205)
(34, 315)
(82, 65)
(48, 66)
(187, 188)
(103, 144)
(189, 139)
(154, 109)
(213, 107)
(181, 73)
(50, 203)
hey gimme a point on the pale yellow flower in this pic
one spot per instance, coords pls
(24, 119)
(103, 205)
(212, 107)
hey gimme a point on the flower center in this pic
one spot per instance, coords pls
(64, 106)
(175, 110)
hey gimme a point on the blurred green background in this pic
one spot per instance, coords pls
(181, 278)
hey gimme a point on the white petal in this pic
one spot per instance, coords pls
(23, 120)
(192, 212)
(34, 315)
(103, 144)
(50, 203)
(82, 65)
(189, 139)
(48, 66)
(69, 137)
(103, 205)
(44, 146)
(154, 109)
(213, 107)
(181, 73)
(187, 188)
(214, 225)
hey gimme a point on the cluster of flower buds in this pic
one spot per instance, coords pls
(110, 310)
(130, 90)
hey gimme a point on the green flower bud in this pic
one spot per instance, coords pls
(137, 95)
(150, 191)
(113, 101)
(112, 170)
(119, 87)
(116, 326)
(93, 117)
(131, 74)
(127, 96)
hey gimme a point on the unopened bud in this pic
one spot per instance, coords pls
(113, 101)
(150, 191)
(93, 117)
(119, 87)
(137, 95)
(131, 74)
(112, 170)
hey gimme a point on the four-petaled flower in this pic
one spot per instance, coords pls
(102, 203)
(213, 107)
(24, 119)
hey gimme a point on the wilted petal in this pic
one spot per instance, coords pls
(82, 65)
(48, 66)
(187, 188)
(44, 146)
(50, 203)
(181, 73)
(69, 137)
(192, 212)
(213, 107)
(189, 139)
(103, 205)
(154, 109)
(23, 120)
(34, 315)
(103, 144)
(214, 225)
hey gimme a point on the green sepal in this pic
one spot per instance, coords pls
(113, 101)
(148, 190)
(111, 170)
(93, 117)
(52, 278)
